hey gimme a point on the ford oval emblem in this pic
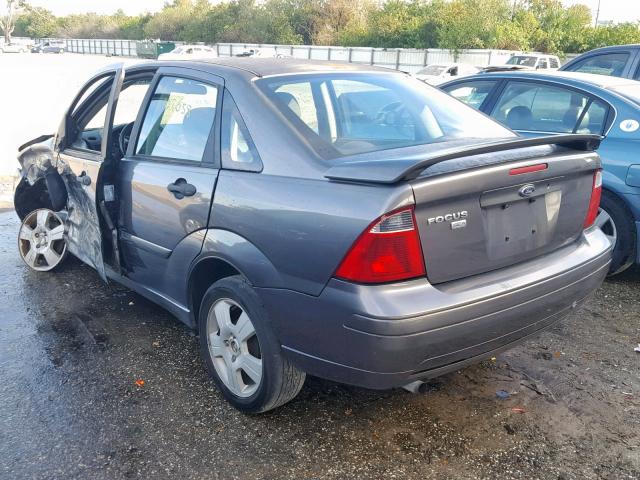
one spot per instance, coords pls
(527, 190)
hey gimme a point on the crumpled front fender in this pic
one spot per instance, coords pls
(36, 159)
(39, 164)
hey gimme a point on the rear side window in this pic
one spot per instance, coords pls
(553, 63)
(351, 113)
(238, 150)
(605, 64)
(298, 97)
(471, 93)
(539, 108)
(593, 120)
(179, 120)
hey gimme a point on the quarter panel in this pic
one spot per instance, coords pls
(303, 227)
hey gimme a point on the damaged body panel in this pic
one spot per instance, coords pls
(57, 173)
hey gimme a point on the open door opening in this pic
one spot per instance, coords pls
(82, 147)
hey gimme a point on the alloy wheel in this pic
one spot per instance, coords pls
(234, 347)
(41, 240)
(607, 225)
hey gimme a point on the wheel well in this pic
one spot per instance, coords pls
(28, 198)
(205, 274)
(620, 200)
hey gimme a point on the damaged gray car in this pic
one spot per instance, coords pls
(315, 218)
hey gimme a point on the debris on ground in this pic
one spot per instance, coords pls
(637, 349)
(503, 394)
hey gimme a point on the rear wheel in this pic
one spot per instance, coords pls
(240, 351)
(41, 240)
(617, 223)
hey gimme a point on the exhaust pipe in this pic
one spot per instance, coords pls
(416, 387)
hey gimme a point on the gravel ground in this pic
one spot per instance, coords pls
(73, 348)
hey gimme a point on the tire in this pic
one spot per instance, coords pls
(620, 227)
(225, 347)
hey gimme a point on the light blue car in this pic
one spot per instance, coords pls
(534, 104)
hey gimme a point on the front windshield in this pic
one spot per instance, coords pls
(435, 70)
(178, 50)
(357, 113)
(522, 60)
(631, 91)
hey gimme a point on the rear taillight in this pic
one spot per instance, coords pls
(387, 251)
(594, 203)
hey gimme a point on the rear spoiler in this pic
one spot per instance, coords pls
(388, 172)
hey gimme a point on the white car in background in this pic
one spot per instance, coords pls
(189, 52)
(14, 48)
(262, 53)
(528, 61)
(437, 73)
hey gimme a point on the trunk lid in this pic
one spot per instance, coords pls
(478, 214)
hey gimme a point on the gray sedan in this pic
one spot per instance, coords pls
(315, 218)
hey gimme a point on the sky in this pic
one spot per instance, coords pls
(616, 10)
(131, 7)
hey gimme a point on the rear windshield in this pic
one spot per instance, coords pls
(345, 114)
(522, 60)
(631, 91)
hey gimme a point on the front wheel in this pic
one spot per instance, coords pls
(240, 351)
(41, 240)
(617, 223)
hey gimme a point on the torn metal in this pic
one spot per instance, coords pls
(39, 162)
(36, 159)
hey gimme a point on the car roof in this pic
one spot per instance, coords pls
(263, 67)
(630, 46)
(574, 78)
(533, 55)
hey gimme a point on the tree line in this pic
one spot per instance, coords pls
(528, 25)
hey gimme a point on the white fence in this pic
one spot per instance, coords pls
(408, 60)
(405, 59)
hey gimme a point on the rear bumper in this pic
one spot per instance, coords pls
(389, 335)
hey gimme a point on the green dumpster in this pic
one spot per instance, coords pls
(151, 49)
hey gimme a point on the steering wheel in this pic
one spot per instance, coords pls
(393, 114)
(123, 138)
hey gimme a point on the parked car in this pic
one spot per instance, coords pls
(531, 61)
(616, 61)
(437, 73)
(535, 104)
(49, 47)
(14, 48)
(189, 52)
(319, 218)
(262, 53)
